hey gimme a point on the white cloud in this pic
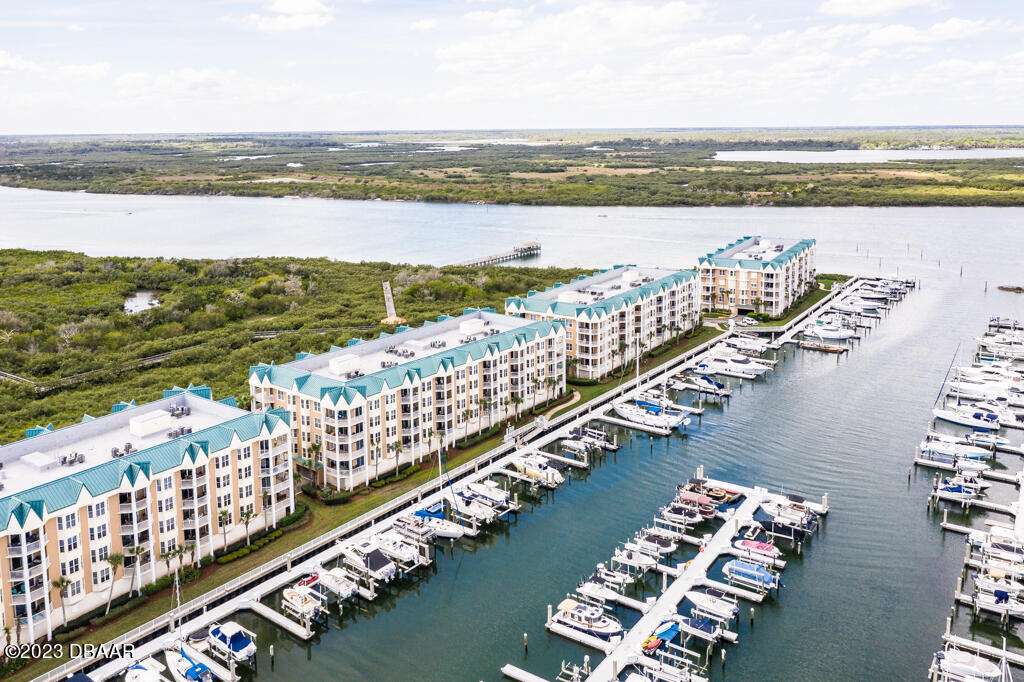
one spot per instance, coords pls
(290, 15)
(876, 8)
(424, 25)
(12, 63)
(75, 28)
(81, 72)
(500, 20)
(951, 29)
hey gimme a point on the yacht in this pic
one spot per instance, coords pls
(611, 577)
(948, 446)
(591, 620)
(965, 416)
(652, 398)
(536, 467)
(415, 529)
(231, 640)
(366, 557)
(147, 670)
(953, 493)
(1003, 345)
(184, 669)
(827, 331)
(648, 415)
(433, 516)
(993, 579)
(999, 602)
(467, 504)
(747, 344)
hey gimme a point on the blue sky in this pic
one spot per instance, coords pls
(248, 65)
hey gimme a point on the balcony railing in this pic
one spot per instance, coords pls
(20, 550)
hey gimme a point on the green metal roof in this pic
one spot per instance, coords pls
(107, 477)
(319, 386)
(607, 307)
(789, 254)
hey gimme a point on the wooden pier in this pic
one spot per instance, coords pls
(524, 250)
(656, 430)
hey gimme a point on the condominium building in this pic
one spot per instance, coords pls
(607, 314)
(757, 274)
(360, 411)
(178, 472)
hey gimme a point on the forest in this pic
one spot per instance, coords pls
(594, 168)
(66, 337)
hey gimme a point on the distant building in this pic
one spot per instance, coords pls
(419, 389)
(757, 274)
(155, 476)
(606, 313)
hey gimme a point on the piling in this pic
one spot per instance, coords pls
(549, 614)
(751, 616)
(526, 644)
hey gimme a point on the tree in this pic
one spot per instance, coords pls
(191, 549)
(136, 552)
(485, 404)
(115, 560)
(166, 558)
(397, 447)
(60, 584)
(757, 304)
(224, 518)
(247, 516)
(517, 400)
(466, 414)
(266, 506)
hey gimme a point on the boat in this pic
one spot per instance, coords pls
(231, 640)
(648, 415)
(433, 516)
(828, 331)
(596, 587)
(993, 579)
(1003, 345)
(612, 577)
(338, 581)
(751, 574)
(635, 558)
(184, 669)
(666, 632)
(967, 666)
(981, 420)
(700, 627)
(950, 447)
(681, 514)
(585, 618)
(396, 547)
(1000, 602)
(747, 344)
(970, 481)
(415, 529)
(777, 529)
(575, 446)
(467, 504)
(147, 670)
(366, 557)
(703, 370)
(654, 544)
(987, 439)
(953, 493)
(308, 579)
(714, 602)
(758, 548)
(298, 601)
(652, 398)
(793, 514)
(489, 491)
(537, 467)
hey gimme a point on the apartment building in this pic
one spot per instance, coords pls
(757, 274)
(155, 476)
(606, 314)
(360, 411)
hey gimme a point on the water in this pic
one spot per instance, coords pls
(866, 155)
(141, 300)
(870, 596)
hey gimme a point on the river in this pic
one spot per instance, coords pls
(870, 595)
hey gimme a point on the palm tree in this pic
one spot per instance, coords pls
(60, 584)
(266, 506)
(247, 516)
(517, 400)
(570, 364)
(190, 548)
(116, 560)
(485, 404)
(136, 552)
(466, 414)
(166, 557)
(397, 447)
(429, 433)
(442, 432)
(225, 519)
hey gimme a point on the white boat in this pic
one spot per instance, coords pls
(635, 559)
(714, 602)
(654, 544)
(467, 504)
(577, 446)
(684, 515)
(231, 640)
(993, 579)
(597, 588)
(445, 528)
(969, 481)
(827, 331)
(655, 417)
(756, 548)
(298, 601)
(658, 399)
(1003, 345)
(747, 344)
(585, 618)
(999, 602)
(704, 369)
(490, 491)
(415, 529)
(1000, 407)
(976, 419)
(612, 577)
(537, 467)
(948, 446)
(184, 669)
(982, 390)
(396, 547)
(147, 670)
(338, 581)
(366, 557)
(953, 493)
(967, 666)
(739, 361)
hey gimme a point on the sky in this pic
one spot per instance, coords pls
(141, 66)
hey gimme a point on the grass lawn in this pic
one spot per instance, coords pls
(815, 296)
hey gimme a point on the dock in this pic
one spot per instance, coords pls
(524, 250)
(278, 619)
(656, 430)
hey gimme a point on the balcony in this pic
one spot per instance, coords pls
(132, 507)
(191, 502)
(34, 594)
(136, 526)
(34, 570)
(21, 550)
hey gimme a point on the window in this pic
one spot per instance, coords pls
(98, 532)
(224, 461)
(100, 554)
(167, 546)
(100, 577)
(247, 452)
(98, 510)
(68, 545)
(224, 501)
(75, 588)
(246, 492)
(164, 483)
(70, 567)
(165, 505)
(167, 526)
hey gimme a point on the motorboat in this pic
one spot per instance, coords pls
(987, 439)
(681, 514)
(489, 491)
(184, 669)
(395, 546)
(951, 447)
(591, 620)
(993, 579)
(999, 601)
(717, 495)
(737, 361)
(967, 666)
(828, 331)
(714, 602)
(751, 574)
(536, 467)
(1003, 345)
(433, 516)
(652, 398)
(982, 390)
(635, 559)
(648, 415)
(199, 639)
(231, 640)
(791, 514)
(953, 493)
(147, 670)
(468, 504)
(777, 529)
(970, 481)
(746, 344)
(365, 557)
(308, 579)
(974, 418)
(700, 627)
(757, 548)
(704, 369)
(339, 581)
(685, 495)
(654, 544)
(298, 601)
(999, 407)
(415, 529)
(596, 587)
(612, 577)
(575, 446)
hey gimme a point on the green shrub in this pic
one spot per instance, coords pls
(85, 618)
(575, 381)
(409, 471)
(295, 516)
(116, 613)
(63, 637)
(12, 665)
(478, 437)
